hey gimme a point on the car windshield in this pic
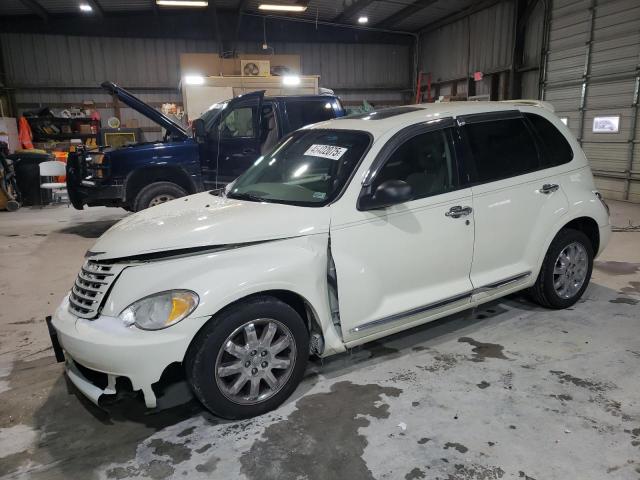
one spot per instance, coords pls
(214, 110)
(308, 168)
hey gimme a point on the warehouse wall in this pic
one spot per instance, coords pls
(57, 69)
(593, 69)
(482, 41)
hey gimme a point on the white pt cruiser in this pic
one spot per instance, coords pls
(347, 231)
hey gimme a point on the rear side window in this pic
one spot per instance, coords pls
(306, 112)
(502, 149)
(557, 150)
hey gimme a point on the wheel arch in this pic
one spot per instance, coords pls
(295, 300)
(140, 178)
(585, 224)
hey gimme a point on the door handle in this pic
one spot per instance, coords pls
(458, 211)
(247, 151)
(549, 188)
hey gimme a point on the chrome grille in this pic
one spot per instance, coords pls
(91, 287)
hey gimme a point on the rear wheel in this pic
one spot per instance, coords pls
(247, 360)
(157, 193)
(566, 270)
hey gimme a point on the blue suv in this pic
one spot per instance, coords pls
(225, 141)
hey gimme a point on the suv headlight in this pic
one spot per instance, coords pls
(160, 310)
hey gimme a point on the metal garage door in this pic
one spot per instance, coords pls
(592, 77)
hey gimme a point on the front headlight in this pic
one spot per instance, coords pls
(160, 310)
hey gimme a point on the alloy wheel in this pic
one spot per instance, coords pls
(570, 270)
(255, 361)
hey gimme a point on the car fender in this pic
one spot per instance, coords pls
(221, 278)
(577, 186)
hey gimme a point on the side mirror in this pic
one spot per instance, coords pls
(199, 131)
(391, 192)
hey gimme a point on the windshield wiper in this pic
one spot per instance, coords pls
(246, 196)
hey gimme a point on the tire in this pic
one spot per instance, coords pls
(148, 196)
(545, 291)
(212, 371)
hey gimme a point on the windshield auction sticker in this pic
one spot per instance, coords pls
(325, 151)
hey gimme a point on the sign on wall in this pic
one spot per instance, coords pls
(609, 124)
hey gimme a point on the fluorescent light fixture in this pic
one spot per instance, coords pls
(85, 8)
(363, 19)
(291, 80)
(282, 8)
(183, 3)
(194, 79)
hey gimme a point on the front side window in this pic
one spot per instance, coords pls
(502, 149)
(239, 122)
(425, 162)
(308, 168)
(556, 147)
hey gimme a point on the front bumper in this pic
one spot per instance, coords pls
(93, 195)
(107, 346)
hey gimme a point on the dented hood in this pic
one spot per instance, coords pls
(205, 220)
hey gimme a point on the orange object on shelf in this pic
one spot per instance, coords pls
(24, 134)
(61, 157)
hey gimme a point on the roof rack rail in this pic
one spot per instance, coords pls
(531, 103)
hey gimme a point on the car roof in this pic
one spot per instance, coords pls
(384, 120)
(301, 97)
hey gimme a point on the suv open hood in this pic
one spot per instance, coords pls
(147, 110)
(202, 221)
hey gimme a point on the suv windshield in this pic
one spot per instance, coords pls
(309, 168)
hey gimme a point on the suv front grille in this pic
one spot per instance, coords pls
(91, 287)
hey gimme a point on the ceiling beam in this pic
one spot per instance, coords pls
(454, 17)
(356, 7)
(36, 8)
(97, 8)
(405, 13)
(240, 11)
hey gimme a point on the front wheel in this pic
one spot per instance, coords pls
(157, 193)
(566, 270)
(248, 359)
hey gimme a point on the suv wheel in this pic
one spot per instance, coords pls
(566, 270)
(157, 193)
(248, 359)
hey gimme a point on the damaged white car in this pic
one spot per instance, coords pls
(348, 231)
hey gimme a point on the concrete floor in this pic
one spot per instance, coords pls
(507, 391)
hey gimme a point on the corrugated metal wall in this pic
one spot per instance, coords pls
(593, 69)
(480, 42)
(57, 69)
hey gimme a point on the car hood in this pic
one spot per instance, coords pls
(204, 221)
(145, 109)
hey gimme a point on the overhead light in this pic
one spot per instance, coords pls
(182, 3)
(291, 80)
(194, 79)
(85, 8)
(363, 19)
(282, 8)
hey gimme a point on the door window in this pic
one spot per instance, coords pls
(425, 162)
(238, 123)
(301, 113)
(502, 149)
(556, 148)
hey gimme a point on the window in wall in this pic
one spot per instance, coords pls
(425, 162)
(556, 147)
(502, 149)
